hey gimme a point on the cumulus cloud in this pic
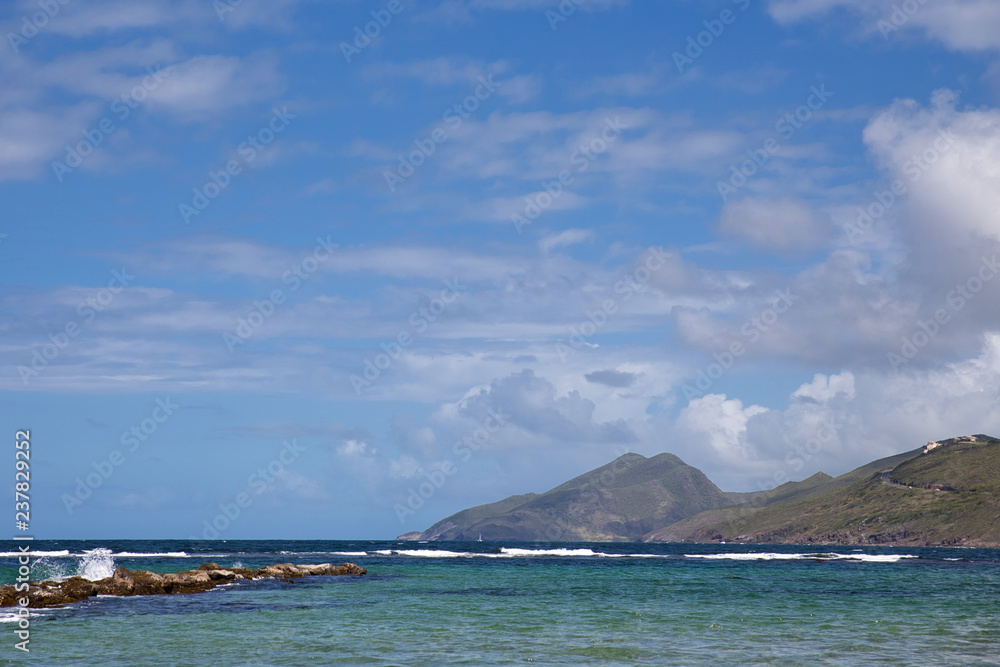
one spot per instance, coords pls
(538, 413)
(954, 156)
(825, 387)
(721, 424)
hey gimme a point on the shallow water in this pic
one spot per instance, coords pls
(486, 603)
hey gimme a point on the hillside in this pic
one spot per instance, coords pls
(621, 501)
(949, 495)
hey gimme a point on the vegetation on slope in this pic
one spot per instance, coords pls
(950, 495)
(621, 501)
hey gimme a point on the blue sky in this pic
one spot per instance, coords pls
(759, 234)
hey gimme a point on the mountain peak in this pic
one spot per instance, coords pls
(619, 501)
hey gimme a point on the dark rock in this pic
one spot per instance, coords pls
(144, 582)
(79, 588)
(147, 583)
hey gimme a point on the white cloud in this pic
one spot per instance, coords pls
(963, 25)
(824, 387)
(721, 423)
(778, 225)
(354, 449)
(206, 85)
(953, 156)
(105, 17)
(565, 238)
(536, 414)
(30, 139)
(464, 72)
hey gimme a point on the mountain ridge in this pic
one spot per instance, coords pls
(619, 501)
(945, 493)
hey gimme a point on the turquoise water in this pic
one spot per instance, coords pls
(506, 604)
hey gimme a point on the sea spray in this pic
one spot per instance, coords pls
(96, 564)
(48, 568)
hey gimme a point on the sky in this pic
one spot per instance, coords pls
(336, 270)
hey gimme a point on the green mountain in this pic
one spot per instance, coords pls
(621, 501)
(945, 495)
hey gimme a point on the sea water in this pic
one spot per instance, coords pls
(485, 603)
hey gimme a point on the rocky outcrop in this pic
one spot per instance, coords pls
(411, 536)
(144, 582)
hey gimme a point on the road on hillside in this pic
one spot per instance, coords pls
(886, 480)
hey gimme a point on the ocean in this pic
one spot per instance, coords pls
(488, 603)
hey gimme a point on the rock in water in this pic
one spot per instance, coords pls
(144, 582)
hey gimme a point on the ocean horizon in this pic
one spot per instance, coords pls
(496, 603)
(699, 276)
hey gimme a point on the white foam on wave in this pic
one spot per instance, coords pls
(550, 552)
(13, 617)
(880, 558)
(39, 554)
(752, 556)
(866, 558)
(168, 554)
(122, 554)
(428, 553)
(324, 553)
(504, 552)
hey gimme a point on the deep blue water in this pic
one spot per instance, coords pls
(471, 603)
